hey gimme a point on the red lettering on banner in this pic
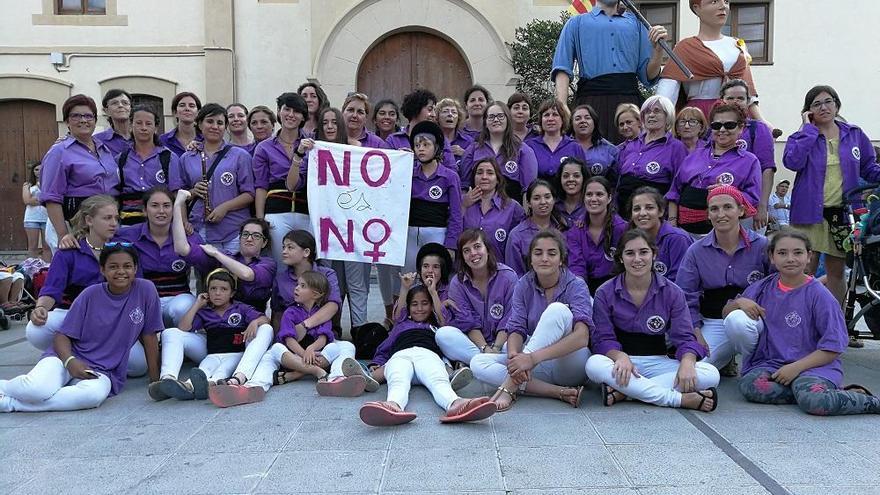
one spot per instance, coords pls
(325, 161)
(327, 225)
(386, 168)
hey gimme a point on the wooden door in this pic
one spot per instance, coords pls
(405, 61)
(28, 130)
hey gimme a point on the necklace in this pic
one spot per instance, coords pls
(548, 288)
(93, 247)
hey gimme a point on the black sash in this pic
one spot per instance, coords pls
(70, 205)
(513, 189)
(70, 293)
(594, 283)
(641, 344)
(623, 83)
(223, 340)
(695, 199)
(169, 283)
(424, 213)
(627, 184)
(258, 304)
(712, 301)
(420, 337)
(279, 198)
(131, 204)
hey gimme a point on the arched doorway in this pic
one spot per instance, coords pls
(29, 129)
(404, 61)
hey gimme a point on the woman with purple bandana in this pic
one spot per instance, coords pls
(648, 207)
(219, 179)
(547, 331)
(186, 107)
(542, 215)
(89, 356)
(273, 160)
(553, 145)
(791, 333)
(598, 153)
(637, 314)
(116, 105)
(720, 162)
(653, 158)
(75, 168)
(720, 266)
(828, 157)
(492, 211)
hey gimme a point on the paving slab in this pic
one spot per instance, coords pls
(826, 463)
(111, 475)
(437, 469)
(207, 474)
(324, 471)
(588, 466)
(663, 464)
(636, 423)
(537, 430)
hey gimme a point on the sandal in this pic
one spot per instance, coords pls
(512, 396)
(341, 386)
(855, 343)
(234, 395)
(176, 389)
(610, 393)
(382, 414)
(351, 367)
(712, 395)
(858, 389)
(278, 378)
(471, 410)
(229, 381)
(577, 399)
(460, 378)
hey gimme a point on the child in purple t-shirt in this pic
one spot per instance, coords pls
(791, 332)
(89, 356)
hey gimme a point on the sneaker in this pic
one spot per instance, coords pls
(350, 367)
(199, 381)
(730, 370)
(154, 390)
(855, 343)
(460, 378)
(177, 389)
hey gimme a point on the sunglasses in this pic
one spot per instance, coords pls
(117, 243)
(729, 125)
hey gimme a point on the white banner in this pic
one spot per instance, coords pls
(359, 202)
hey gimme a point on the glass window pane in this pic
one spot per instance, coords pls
(752, 14)
(70, 6)
(97, 6)
(658, 15)
(751, 31)
(726, 29)
(757, 50)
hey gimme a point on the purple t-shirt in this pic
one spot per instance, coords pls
(159, 264)
(103, 327)
(701, 169)
(70, 169)
(287, 279)
(601, 159)
(529, 302)
(797, 323)
(549, 160)
(257, 290)
(589, 259)
(169, 140)
(518, 241)
(663, 311)
(489, 313)
(143, 173)
(116, 143)
(271, 162)
(225, 332)
(672, 243)
(297, 314)
(498, 222)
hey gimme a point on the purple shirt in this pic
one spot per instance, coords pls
(664, 311)
(297, 314)
(71, 271)
(797, 323)
(264, 267)
(236, 317)
(806, 154)
(529, 302)
(757, 138)
(400, 140)
(160, 264)
(233, 176)
(169, 140)
(707, 266)
(521, 170)
(672, 244)
(142, 174)
(498, 222)
(735, 167)
(287, 279)
(489, 313)
(271, 162)
(440, 188)
(103, 327)
(70, 169)
(549, 160)
(472, 134)
(370, 140)
(518, 241)
(601, 158)
(115, 142)
(656, 161)
(588, 259)
(383, 352)
(575, 215)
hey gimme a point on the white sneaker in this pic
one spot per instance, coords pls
(350, 367)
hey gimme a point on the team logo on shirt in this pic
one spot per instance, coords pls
(652, 167)
(754, 276)
(178, 265)
(660, 267)
(655, 323)
(609, 256)
(726, 179)
(234, 319)
(435, 192)
(227, 178)
(136, 316)
(742, 144)
(160, 177)
(596, 169)
(857, 153)
(500, 235)
(511, 167)
(562, 159)
(793, 319)
(496, 311)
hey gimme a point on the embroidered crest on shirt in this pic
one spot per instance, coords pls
(652, 167)
(656, 323)
(793, 319)
(660, 267)
(496, 311)
(136, 316)
(562, 159)
(234, 319)
(726, 179)
(511, 167)
(742, 144)
(178, 265)
(754, 276)
(500, 235)
(160, 177)
(435, 192)
(609, 256)
(596, 168)
(227, 178)
(857, 153)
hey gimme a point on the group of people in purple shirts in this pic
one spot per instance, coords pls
(540, 256)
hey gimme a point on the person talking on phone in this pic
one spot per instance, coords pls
(828, 156)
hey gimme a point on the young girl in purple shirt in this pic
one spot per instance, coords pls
(89, 356)
(791, 333)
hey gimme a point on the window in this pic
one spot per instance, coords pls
(750, 21)
(82, 7)
(661, 13)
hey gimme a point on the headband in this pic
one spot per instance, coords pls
(222, 270)
(735, 193)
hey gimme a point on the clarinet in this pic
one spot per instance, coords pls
(208, 206)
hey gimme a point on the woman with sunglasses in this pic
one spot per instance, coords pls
(720, 162)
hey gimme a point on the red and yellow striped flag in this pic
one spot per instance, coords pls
(581, 6)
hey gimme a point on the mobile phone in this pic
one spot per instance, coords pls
(93, 373)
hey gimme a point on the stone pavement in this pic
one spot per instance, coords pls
(298, 442)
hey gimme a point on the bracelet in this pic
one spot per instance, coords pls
(297, 153)
(66, 361)
(483, 348)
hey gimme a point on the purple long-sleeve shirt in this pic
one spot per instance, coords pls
(428, 197)
(116, 143)
(601, 159)
(489, 313)
(549, 160)
(71, 170)
(672, 244)
(518, 241)
(383, 352)
(71, 271)
(160, 264)
(264, 267)
(498, 222)
(520, 171)
(588, 259)
(271, 162)
(297, 314)
(144, 173)
(656, 161)
(287, 279)
(529, 302)
(735, 167)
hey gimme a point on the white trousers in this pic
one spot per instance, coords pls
(556, 322)
(51, 236)
(282, 223)
(174, 307)
(418, 237)
(254, 350)
(655, 386)
(49, 387)
(220, 366)
(175, 345)
(721, 350)
(418, 365)
(334, 352)
(455, 344)
(742, 331)
(357, 281)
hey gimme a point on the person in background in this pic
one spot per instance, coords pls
(186, 107)
(261, 122)
(237, 129)
(690, 128)
(599, 154)
(116, 105)
(35, 216)
(520, 105)
(386, 118)
(450, 117)
(476, 99)
(780, 205)
(316, 100)
(629, 125)
(553, 145)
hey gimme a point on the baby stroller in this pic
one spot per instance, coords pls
(20, 310)
(863, 283)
